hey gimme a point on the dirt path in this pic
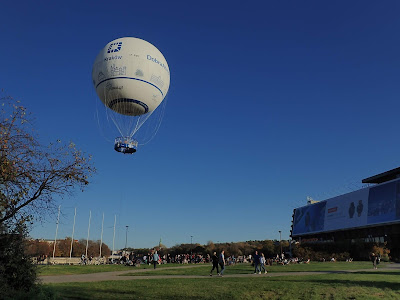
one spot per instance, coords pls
(109, 276)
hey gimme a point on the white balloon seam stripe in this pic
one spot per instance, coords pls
(133, 78)
(128, 100)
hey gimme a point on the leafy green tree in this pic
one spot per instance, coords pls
(268, 248)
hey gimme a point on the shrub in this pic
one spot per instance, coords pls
(17, 273)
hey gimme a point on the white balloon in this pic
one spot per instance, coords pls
(131, 76)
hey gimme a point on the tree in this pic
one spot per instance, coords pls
(233, 249)
(210, 247)
(269, 249)
(63, 247)
(37, 248)
(198, 249)
(17, 273)
(32, 174)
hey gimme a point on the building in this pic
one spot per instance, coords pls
(371, 214)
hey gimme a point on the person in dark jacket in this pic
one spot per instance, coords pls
(374, 259)
(214, 259)
(256, 261)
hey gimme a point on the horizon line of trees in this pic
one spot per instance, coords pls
(271, 248)
(37, 248)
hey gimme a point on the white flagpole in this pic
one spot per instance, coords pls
(55, 238)
(101, 239)
(72, 238)
(115, 221)
(88, 232)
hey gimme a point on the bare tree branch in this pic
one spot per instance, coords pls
(32, 174)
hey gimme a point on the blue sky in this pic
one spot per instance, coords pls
(270, 102)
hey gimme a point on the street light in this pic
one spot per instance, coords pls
(280, 241)
(126, 237)
(191, 248)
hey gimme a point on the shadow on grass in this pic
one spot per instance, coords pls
(395, 286)
(81, 293)
(378, 272)
(88, 293)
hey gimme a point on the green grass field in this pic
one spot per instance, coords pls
(248, 269)
(364, 284)
(70, 270)
(200, 269)
(48, 270)
(369, 285)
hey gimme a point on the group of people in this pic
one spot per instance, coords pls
(218, 261)
(154, 258)
(259, 263)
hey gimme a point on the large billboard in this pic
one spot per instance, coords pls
(370, 206)
(347, 211)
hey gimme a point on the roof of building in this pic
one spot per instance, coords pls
(383, 177)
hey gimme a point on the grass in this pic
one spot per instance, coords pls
(248, 269)
(360, 285)
(48, 270)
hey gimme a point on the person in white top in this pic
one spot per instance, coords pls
(262, 264)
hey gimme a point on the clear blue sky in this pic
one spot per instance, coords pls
(270, 102)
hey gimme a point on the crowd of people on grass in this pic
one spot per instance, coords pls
(218, 260)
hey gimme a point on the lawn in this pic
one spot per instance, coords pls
(248, 269)
(47, 270)
(360, 285)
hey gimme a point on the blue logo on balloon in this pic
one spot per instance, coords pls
(114, 47)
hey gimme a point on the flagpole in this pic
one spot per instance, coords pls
(88, 233)
(55, 238)
(72, 238)
(115, 221)
(101, 239)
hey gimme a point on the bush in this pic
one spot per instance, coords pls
(17, 273)
(319, 253)
(385, 258)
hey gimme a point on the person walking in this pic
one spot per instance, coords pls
(222, 262)
(256, 261)
(374, 260)
(214, 260)
(262, 264)
(155, 259)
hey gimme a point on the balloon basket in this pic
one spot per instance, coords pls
(125, 145)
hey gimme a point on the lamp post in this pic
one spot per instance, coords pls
(126, 237)
(280, 241)
(191, 247)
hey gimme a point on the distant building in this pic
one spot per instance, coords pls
(371, 214)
